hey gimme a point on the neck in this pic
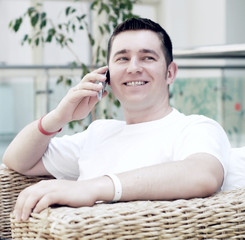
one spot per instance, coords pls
(140, 116)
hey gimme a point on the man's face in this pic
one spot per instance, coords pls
(138, 70)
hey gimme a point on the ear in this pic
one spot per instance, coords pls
(172, 72)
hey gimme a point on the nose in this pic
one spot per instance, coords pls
(134, 66)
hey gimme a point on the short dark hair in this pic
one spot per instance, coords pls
(133, 24)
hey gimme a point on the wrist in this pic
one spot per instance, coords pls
(104, 189)
(50, 124)
(43, 131)
(117, 187)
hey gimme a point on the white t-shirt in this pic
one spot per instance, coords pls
(112, 146)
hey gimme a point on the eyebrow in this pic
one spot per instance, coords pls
(150, 51)
(144, 50)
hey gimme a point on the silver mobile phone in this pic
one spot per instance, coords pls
(99, 95)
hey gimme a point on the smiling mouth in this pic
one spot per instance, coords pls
(135, 83)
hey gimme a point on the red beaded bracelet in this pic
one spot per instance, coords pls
(43, 131)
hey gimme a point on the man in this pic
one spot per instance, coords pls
(157, 153)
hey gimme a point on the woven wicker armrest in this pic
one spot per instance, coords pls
(221, 216)
(11, 184)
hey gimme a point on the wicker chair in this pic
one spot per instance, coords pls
(221, 216)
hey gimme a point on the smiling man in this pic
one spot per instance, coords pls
(157, 153)
(138, 62)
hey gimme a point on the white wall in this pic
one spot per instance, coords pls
(11, 51)
(190, 23)
(193, 23)
(235, 19)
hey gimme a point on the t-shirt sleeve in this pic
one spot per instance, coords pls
(204, 136)
(62, 156)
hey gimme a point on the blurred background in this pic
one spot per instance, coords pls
(209, 47)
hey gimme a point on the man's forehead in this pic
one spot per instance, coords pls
(137, 40)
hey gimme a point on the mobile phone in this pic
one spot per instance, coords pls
(99, 95)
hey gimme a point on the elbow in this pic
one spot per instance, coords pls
(9, 161)
(209, 185)
(5, 160)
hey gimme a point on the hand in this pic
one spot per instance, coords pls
(80, 99)
(46, 193)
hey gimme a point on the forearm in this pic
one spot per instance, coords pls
(28, 147)
(183, 179)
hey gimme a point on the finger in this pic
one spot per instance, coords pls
(93, 77)
(46, 201)
(87, 86)
(96, 75)
(25, 203)
(28, 199)
(101, 70)
(19, 204)
(28, 206)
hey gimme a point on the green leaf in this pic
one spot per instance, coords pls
(24, 39)
(97, 54)
(30, 11)
(43, 15)
(81, 18)
(107, 28)
(10, 24)
(37, 41)
(112, 19)
(103, 51)
(34, 19)
(17, 24)
(114, 2)
(39, 4)
(94, 3)
(51, 31)
(101, 30)
(104, 7)
(129, 5)
(60, 79)
(91, 40)
(84, 69)
(43, 24)
(61, 39)
(73, 10)
(117, 103)
(49, 38)
(67, 11)
(68, 82)
(122, 5)
(73, 64)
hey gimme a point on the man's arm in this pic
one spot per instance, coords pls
(25, 152)
(199, 175)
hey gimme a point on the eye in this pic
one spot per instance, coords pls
(149, 58)
(121, 59)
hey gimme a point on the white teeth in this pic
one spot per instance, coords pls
(137, 83)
